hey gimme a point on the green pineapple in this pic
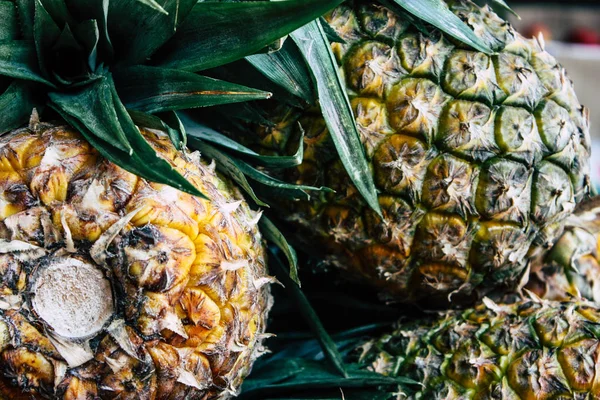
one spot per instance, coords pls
(477, 159)
(532, 349)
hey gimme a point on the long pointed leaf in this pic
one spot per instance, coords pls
(96, 10)
(141, 29)
(227, 166)
(283, 189)
(9, 28)
(157, 168)
(46, 32)
(26, 11)
(154, 5)
(155, 122)
(18, 60)
(502, 4)
(111, 131)
(289, 190)
(57, 9)
(16, 104)
(336, 108)
(273, 235)
(220, 32)
(176, 128)
(243, 73)
(153, 89)
(208, 134)
(93, 106)
(287, 69)
(302, 379)
(88, 34)
(437, 13)
(310, 316)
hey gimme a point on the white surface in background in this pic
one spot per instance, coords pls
(582, 62)
(596, 163)
(583, 67)
(559, 17)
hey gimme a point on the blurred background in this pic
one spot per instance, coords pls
(571, 29)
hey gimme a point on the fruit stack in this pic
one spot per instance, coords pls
(478, 162)
(425, 150)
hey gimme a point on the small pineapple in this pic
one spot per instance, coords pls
(115, 287)
(572, 267)
(478, 159)
(532, 349)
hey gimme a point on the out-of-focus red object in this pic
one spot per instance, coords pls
(535, 29)
(584, 36)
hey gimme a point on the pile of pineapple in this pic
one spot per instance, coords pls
(132, 267)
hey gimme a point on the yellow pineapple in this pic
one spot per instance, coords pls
(115, 287)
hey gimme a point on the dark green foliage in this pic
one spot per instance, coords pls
(69, 51)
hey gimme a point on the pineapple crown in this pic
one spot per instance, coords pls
(105, 66)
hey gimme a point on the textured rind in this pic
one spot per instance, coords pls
(572, 267)
(188, 274)
(531, 349)
(477, 159)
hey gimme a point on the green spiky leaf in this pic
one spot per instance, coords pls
(9, 27)
(46, 33)
(272, 234)
(278, 187)
(287, 69)
(16, 103)
(303, 379)
(142, 29)
(244, 73)
(18, 60)
(154, 5)
(58, 11)
(216, 33)
(154, 89)
(336, 108)
(228, 166)
(176, 128)
(437, 13)
(94, 107)
(331, 34)
(112, 132)
(159, 122)
(503, 5)
(247, 112)
(310, 316)
(89, 34)
(96, 10)
(26, 11)
(208, 134)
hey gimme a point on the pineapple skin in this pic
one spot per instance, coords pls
(188, 275)
(572, 267)
(530, 349)
(477, 159)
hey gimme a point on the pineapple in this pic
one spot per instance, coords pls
(478, 159)
(112, 286)
(130, 268)
(572, 267)
(531, 349)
